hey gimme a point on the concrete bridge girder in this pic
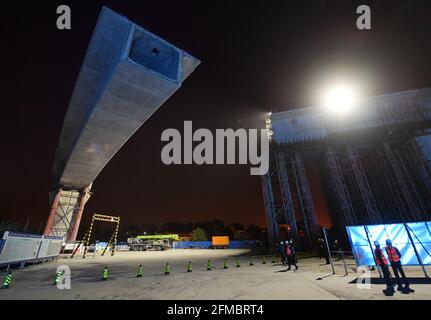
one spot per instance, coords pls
(127, 74)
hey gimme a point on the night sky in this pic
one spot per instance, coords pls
(256, 55)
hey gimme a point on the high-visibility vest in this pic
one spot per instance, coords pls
(385, 262)
(392, 254)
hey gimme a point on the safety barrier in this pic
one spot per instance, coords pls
(167, 269)
(21, 248)
(192, 245)
(235, 244)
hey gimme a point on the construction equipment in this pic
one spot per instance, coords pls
(220, 242)
(157, 242)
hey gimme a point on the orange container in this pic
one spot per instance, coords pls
(220, 241)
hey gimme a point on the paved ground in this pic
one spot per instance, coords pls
(261, 281)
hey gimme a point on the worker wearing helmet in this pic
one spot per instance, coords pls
(394, 256)
(382, 262)
(291, 254)
(282, 250)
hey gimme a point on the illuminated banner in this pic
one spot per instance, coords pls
(413, 240)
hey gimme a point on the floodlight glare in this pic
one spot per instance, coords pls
(340, 100)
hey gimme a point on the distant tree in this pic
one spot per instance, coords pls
(7, 225)
(207, 227)
(240, 235)
(133, 230)
(255, 232)
(199, 234)
(236, 226)
(149, 229)
(176, 227)
(217, 227)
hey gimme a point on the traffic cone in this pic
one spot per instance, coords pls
(167, 269)
(58, 277)
(225, 266)
(189, 267)
(7, 281)
(140, 272)
(209, 265)
(251, 261)
(273, 259)
(238, 265)
(105, 273)
(263, 260)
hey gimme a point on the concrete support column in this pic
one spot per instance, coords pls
(84, 198)
(52, 213)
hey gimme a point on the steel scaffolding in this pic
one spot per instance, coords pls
(376, 165)
(339, 186)
(288, 208)
(404, 182)
(305, 198)
(384, 188)
(268, 198)
(418, 163)
(363, 185)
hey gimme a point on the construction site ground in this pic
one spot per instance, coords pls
(313, 280)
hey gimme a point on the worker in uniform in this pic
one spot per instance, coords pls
(337, 248)
(394, 256)
(382, 262)
(320, 247)
(282, 250)
(291, 255)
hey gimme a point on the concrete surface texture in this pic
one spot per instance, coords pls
(127, 74)
(260, 281)
(411, 107)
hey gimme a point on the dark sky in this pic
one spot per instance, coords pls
(256, 55)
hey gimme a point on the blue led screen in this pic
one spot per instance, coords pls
(362, 239)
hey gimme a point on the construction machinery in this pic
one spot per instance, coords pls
(157, 242)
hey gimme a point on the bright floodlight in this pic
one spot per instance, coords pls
(340, 100)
